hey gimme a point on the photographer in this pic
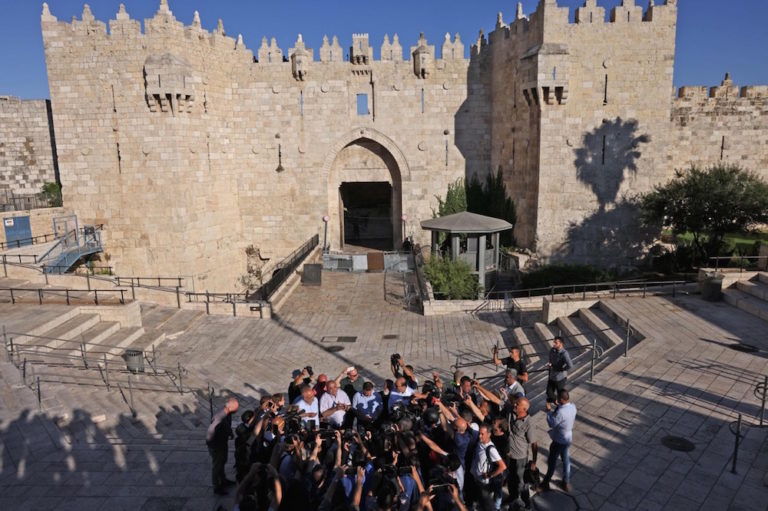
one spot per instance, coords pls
(513, 361)
(217, 439)
(402, 393)
(300, 377)
(401, 370)
(487, 469)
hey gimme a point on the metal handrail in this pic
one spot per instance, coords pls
(136, 281)
(737, 258)
(35, 240)
(582, 288)
(67, 293)
(284, 269)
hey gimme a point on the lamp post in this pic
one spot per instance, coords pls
(326, 218)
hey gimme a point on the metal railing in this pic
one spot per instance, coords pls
(28, 202)
(743, 263)
(172, 282)
(34, 240)
(17, 294)
(421, 281)
(597, 289)
(284, 269)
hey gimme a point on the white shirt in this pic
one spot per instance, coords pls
(309, 407)
(396, 397)
(329, 401)
(481, 464)
(515, 389)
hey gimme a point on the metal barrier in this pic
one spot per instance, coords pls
(68, 294)
(284, 270)
(739, 262)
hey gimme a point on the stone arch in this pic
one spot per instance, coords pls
(389, 165)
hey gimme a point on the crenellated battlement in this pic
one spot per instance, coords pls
(726, 91)
(164, 24)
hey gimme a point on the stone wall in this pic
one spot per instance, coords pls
(27, 159)
(721, 124)
(581, 119)
(195, 151)
(190, 147)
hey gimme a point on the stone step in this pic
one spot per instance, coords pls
(544, 333)
(530, 346)
(746, 302)
(754, 287)
(605, 329)
(46, 320)
(572, 332)
(100, 331)
(115, 344)
(145, 341)
(71, 330)
(156, 317)
(763, 277)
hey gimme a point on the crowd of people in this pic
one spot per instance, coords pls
(342, 443)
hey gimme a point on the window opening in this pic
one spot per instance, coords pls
(269, 57)
(603, 157)
(605, 91)
(301, 103)
(722, 148)
(362, 104)
(422, 100)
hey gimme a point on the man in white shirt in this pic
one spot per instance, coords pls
(334, 405)
(308, 405)
(487, 467)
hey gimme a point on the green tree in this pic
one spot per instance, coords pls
(708, 203)
(451, 280)
(489, 199)
(455, 200)
(52, 193)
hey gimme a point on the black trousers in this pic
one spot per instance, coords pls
(218, 462)
(554, 388)
(515, 481)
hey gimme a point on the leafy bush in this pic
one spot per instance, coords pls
(52, 193)
(451, 280)
(565, 274)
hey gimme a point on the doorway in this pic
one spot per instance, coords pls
(366, 209)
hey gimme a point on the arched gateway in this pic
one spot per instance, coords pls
(365, 183)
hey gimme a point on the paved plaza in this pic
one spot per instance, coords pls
(86, 451)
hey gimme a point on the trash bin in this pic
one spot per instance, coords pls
(134, 360)
(712, 287)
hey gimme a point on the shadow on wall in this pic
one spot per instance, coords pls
(614, 234)
(607, 155)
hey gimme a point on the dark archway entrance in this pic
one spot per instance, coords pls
(367, 218)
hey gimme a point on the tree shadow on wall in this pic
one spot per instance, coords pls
(607, 155)
(613, 235)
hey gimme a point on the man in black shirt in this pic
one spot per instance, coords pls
(513, 361)
(217, 439)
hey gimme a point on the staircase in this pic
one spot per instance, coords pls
(599, 324)
(69, 249)
(750, 295)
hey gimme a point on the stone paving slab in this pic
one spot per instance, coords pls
(682, 380)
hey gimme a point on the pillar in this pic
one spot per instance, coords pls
(496, 237)
(454, 246)
(435, 243)
(481, 261)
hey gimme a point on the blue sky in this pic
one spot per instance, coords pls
(714, 36)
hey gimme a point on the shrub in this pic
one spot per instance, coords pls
(451, 280)
(565, 274)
